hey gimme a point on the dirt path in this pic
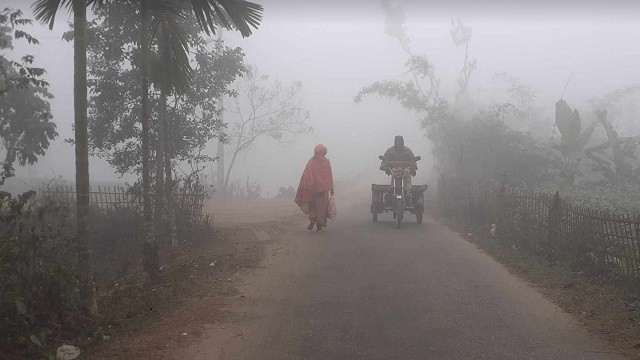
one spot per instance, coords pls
(200, 286)
(365, 291)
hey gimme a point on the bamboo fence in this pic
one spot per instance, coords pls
(189, 203)
(547, 225)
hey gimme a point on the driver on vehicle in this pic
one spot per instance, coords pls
(399, 152)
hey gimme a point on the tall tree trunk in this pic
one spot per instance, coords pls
(221, 177)
(87, 290)
(221, 183)
(158, 213)
(149, 246)
(171, 204)
(233, 161)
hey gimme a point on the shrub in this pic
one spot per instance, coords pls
(484, 148)
(37, 273)
(621, 198)
(286, 193)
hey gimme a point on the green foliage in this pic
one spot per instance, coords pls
(17, 74)
(616, 159)
(573, 140)
(531, 117)
(193, 113)
(37, 277)
(484, 148)
(405, 93)
(522, 94)
(461, 36)
(614, 199)
(418, 65)
(231, 14)
(25, 114)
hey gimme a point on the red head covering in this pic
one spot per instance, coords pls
(320, 150)
(317, 176)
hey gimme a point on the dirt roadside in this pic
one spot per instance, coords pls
(199, 286)
(607, 307)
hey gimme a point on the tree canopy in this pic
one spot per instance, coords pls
(193, 111)
(26, 129)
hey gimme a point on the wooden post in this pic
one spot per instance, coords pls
(501, 228)
(552, 243)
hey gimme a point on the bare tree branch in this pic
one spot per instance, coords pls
(266, 108)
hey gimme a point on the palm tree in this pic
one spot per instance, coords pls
(231, 14)
(45, 11)
(163, 14)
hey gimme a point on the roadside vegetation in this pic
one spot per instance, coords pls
(149, 77)
(589, 154)
(549, 189)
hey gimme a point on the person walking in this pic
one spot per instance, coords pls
(315, 186)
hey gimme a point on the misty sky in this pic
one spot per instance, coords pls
(340, 46)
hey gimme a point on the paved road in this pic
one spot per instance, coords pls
(368, 291)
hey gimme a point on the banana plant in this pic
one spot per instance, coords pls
(573, 140)
(615, 158)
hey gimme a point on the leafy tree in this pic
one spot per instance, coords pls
(411, 94)
(238, 14)
(25, 114)
(265, 108)
(232, 14)
(17, 74)
(461, 36)
(523, 96)
(419, 66)
(185, 105)
(193, 114)
(492, 150)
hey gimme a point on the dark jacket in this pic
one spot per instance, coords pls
(402, 154)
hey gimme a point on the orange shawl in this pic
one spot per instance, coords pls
(316, 178)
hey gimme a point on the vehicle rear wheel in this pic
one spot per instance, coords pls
(419, 217)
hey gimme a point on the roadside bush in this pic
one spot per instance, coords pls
(38, 287)
(485, 148)
(38, 282)
(115, 241)
(248, 191)
(286, 193)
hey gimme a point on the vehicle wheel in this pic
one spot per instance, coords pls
(419, 217)
(399, 212)
(375, 217)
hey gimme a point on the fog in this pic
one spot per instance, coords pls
(524, 245)
(337, 48)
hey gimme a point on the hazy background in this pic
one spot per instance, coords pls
(336, 47)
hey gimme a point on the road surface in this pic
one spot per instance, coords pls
(367, 291)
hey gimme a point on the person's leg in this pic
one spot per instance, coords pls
(313, 214)
(322, 209)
